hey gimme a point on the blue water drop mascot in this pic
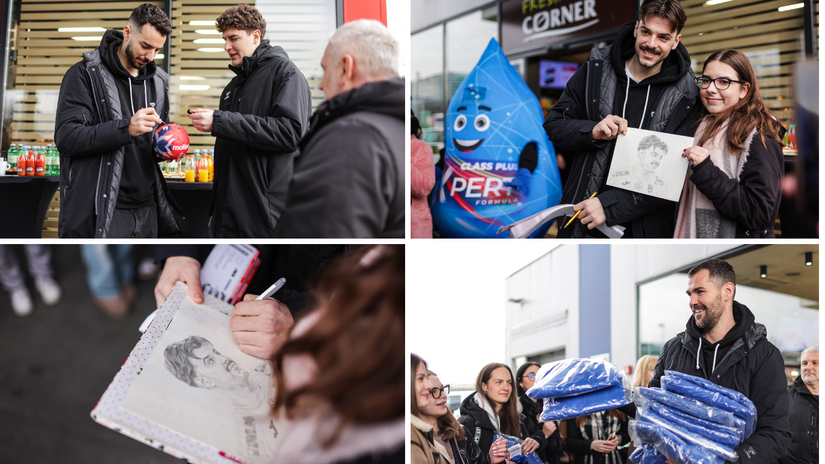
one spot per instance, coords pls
(499, 166)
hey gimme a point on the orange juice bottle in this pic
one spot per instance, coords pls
(189, 168)
(203, 170)
(211, 162)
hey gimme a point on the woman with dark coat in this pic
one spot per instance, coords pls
(599, 438)
(493, 408)
(546, 434)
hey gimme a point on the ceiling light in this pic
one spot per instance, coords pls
(201, 23)
(791, 7)
(160, 56)
(763, 271)
(192, 78)
(207, 31)
(194, 87)
(210, 50)
(87, 38)
(809, 258)
(81, 29)
(716, 2)
(209, 41)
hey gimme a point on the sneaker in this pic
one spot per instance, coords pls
(21, 302)
(49, 290)
(115, 308)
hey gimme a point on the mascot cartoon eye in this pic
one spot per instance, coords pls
(460, 122)
(482, 122)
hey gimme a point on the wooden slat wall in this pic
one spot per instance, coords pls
(300, 27)
(770, 38)
(44, 56)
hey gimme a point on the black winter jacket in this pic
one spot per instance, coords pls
(673, 107)
(804, 420)
(91, 133)
(753, 201)
(748, 363)
(349, 177)
(467, 451)
(550, 449)
(476, 423)
(579, 441)
(264, 112)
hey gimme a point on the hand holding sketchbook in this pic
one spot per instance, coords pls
(186, 388)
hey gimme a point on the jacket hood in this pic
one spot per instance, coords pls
(109, 46)
(674, 67)
(800, 387)
(262, 54)
(744, 319)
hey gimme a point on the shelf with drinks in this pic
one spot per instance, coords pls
(32, 160)
(194, 167)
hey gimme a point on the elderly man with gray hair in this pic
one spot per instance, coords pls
(803, 397)
(349, 176)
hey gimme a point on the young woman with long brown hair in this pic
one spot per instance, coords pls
(340, 376)
(737, 163)
(493, 408)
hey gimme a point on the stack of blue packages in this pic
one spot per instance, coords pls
(689, 420)
(514, 447)
(577, 387)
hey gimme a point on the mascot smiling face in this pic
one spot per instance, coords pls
(493, 122)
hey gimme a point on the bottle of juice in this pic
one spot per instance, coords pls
(189, 168)
(12, 157)
(40, 163)
(30, 160)
(21, 162)
(203, 169)
(211, 162)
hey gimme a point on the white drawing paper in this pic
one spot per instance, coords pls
(197, 383)
(650, 163)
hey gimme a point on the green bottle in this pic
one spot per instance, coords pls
(11, 157)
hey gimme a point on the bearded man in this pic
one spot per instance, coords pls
(110, 102)
(723, 343)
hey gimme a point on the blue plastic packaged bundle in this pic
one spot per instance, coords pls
(671, 446)
(647, 454)
(695, 408)
(580, 405)
(518, 458)
(649, 415)
(711, 394)
(727, 436)
(572, 377)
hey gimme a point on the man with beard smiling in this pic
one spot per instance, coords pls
(724, 344)
(643, 80)
(109, 105)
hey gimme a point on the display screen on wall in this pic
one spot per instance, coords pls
(535, 24)
(555, 74)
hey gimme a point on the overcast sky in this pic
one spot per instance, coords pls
(456, 317)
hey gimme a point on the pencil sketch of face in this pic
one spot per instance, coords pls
(197, 363)
(651, 151)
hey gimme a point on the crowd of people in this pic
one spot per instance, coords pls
(722, 342)
(280, 170)
(644, 80)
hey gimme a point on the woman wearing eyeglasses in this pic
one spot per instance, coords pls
(493, 408)
(546, 434)
(737, 163)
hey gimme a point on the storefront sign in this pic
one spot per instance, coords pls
(535, 24)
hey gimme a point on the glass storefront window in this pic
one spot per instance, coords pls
(466, 39)
(427, 86)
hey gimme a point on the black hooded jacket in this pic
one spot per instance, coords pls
(476, 423)
(665, 102)
(102, 166)
(349, 177)
(804, 420)
(747, 362)
(264, 112)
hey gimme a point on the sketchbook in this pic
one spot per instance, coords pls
(186, 389)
